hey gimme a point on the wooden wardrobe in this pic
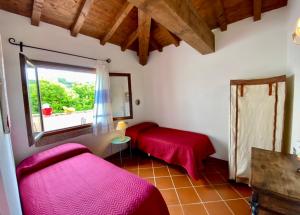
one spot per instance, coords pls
(256, 120)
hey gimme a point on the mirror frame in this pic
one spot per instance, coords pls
(113, 74)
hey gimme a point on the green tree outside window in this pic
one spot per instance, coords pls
(58, 95)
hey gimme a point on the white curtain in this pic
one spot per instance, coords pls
(102, 120)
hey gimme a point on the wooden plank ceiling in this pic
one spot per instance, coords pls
(143, 25)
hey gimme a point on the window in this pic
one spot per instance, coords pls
(58, 97)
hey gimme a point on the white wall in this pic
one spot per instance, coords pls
(293, 62)
(52, 37)
(190, 91)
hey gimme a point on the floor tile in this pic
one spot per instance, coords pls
(248, 200)
(210, 169)
(164, 183)
(146, 173)
(187, 195)
(150, 180)
(158, 163)
(200, 182)
(215, 178)
(227, 192)
(175, 210)
(130, 164)
(181, 181)
(145, 163)
(170, 196)
(217, 208)
(243, 189)
(161, 171)
(197, 197)
(208, 193)
(174, 170)
(139, 157)
(134, 171)
(239, 207)
(194, 209)
(224, 173)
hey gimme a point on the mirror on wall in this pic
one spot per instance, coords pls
(121, 96)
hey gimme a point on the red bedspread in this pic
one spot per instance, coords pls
(69, 180)
(187, 149)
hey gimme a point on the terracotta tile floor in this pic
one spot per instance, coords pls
(211, 195)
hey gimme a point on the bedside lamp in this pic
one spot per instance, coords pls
(121, 126)
(296, 34)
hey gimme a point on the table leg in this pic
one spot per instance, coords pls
(121, 154)
(130, 149)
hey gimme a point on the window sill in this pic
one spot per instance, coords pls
(51, 137)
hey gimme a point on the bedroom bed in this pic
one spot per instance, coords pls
(183, 148)
(70, 180)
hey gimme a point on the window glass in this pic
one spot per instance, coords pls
(33, 95)
(67, 98)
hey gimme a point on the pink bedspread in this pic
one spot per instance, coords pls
(187, 149)
(69, 180)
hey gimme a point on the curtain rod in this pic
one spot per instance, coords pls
(22, 45)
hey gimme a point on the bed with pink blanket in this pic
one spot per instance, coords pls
(183, 148)
(70, 180)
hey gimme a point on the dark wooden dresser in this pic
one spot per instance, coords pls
(275, 183)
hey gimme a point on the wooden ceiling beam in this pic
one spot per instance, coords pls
(37, 12)
(81, 17)
(172, 37)
(155, 45)
(123, 13)
(130, 40)
(257, 9)
(144, 26)
(181, 18)
(220, 14)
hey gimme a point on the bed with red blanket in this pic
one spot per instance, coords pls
(70, 180)
(183, 148)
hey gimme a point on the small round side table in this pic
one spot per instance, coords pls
(120, 141)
